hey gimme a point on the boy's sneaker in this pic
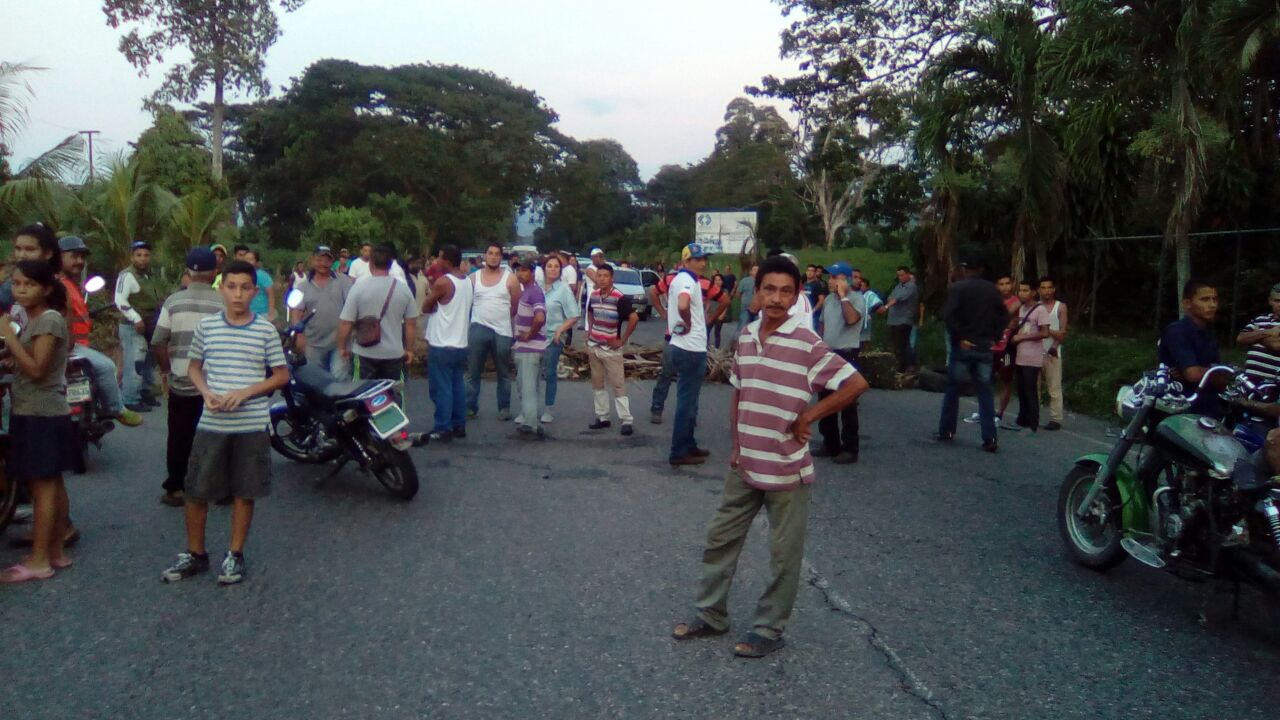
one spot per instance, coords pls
(188, 565)
(232, 569)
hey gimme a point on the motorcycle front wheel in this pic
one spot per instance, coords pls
(1093, 540)
(394, 469)
(79, 448)
(302, 443)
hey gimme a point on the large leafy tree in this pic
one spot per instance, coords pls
(466, 147)
(591, 195)
(174, 156)
(227, 41)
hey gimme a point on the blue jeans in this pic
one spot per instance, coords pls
(104, 380)
(690, 369)
(329, 360)
(483, 342)
(977, 364)
(550, 362)
(139, 367)
(663, 384)
(446, 370)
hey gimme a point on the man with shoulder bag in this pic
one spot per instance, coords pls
(381, 316)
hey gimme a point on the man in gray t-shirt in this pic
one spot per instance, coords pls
(903, 311)
(324, 293)
(842, 315)
(385, 297)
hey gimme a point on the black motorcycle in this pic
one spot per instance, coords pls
(1195, 502)
(322, 419)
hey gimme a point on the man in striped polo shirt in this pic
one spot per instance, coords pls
(607, 313)
(171, 346)
(779, 365)
(1262, 337)
(231, 454)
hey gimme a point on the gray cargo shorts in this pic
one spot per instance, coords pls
(224, 465)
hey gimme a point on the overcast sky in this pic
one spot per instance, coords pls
(655, 75)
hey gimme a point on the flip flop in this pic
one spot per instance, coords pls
(62, 564)
(757, 645)
(696, 628)
(21, 573)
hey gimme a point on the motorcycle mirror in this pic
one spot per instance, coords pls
(15, 326)
(294, 299)
(94, 284)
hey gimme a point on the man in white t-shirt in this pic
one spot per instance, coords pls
(359, 267)
(687, 323)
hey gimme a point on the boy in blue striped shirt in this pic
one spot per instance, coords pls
(230, 355)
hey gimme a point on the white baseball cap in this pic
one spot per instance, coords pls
(596, 251)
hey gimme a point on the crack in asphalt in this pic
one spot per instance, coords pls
(911, 683)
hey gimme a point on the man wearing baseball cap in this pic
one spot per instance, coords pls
(842, 314)
(325, 293)
(687, 323)
(138, 296)
(171, 343)
(75, 255)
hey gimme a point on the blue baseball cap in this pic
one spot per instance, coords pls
(840, 268)
(693, 251)
(139, 245)
(201, 260)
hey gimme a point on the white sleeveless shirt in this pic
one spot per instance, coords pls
(1055, 324)
(492, 304)
(447, 326)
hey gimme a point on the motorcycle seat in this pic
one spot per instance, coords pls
(321, 384)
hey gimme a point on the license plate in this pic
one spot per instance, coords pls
(78, 392)
(388, 420)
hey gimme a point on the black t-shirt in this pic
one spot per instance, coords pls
(975, 312)
(730, 281)
(1185, 345)
(815, 289)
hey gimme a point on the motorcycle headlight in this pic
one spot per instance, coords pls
(1122, 398)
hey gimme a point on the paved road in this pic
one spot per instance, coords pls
(540, 580)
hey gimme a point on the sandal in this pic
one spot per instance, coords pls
(21, 573)
(62, 564)
(696, 628)
(757, 645)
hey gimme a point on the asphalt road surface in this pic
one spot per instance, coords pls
(542, 580)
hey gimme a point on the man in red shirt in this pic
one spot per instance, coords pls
(658, 301)
(75, 254)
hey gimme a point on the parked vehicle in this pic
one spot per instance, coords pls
(322, 419)
(88, 425)
(630, 283)
(1195, 503)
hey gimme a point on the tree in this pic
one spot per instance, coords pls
(228, 41)
(591, 195)
(65, 159)
(172, 154)
(345, 227)
(465, 147)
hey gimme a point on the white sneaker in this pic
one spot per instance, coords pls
(23, 513)
(972, 419)
(546, 417)
(519, 420)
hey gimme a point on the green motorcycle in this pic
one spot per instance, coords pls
(1193, 502)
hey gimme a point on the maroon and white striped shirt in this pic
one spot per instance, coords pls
(775, 381)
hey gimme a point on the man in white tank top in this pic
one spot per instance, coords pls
(447, 306)
(1051, 373)
(495, 294)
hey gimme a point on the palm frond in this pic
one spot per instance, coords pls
(15, 94)
(64, 161)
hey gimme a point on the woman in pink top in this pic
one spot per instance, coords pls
(1032, 327)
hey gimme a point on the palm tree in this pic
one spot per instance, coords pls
(193, 220)
(63, 160)
(994, 82)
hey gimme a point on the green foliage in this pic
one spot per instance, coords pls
(346, 227)
(591, 195)
(465, 147)
(174, 156)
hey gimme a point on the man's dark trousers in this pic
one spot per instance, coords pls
(184, 416)
(840, 430)
(691, 369)
(900, 340)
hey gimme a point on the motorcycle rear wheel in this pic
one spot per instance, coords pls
(394, 469)
(288, 441)
(1091, 541)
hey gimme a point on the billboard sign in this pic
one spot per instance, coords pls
(725, 231)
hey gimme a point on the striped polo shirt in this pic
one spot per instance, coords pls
(776, 380)
(176, 328)
(532, 302)
(1261, 364)
(236, 357)
(607, 315)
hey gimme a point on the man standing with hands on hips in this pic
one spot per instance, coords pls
(687, 323)
(779, 364)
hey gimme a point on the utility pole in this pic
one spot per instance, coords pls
(90, 134)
